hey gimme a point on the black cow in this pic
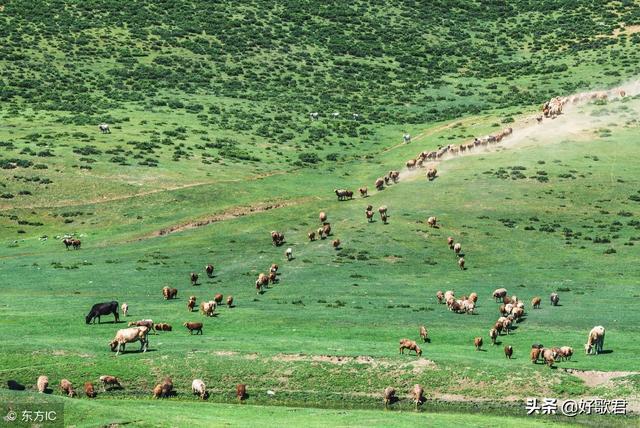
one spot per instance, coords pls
(103, 309)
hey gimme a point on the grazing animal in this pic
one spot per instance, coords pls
(343, 194)
(312, 236)
(477, 342)
(89, 390)
(410, 164)
(424, 334)
(473, 297)
(535, 302)
(208, 308)
(67, 388)
(277, 238)
(461, 263)
(163, 326)
(142, 323)
(167, 387)
(440, 296)
(109, 380)
(389, 395)
(382, 210)
(508, 351)
(406, 138)
(104, 128)
(595, 340)
(431, 221)
(411, 345)
(241, 391)
(567, 352)
(130, 335)
(554, 298)
(548, 355)
(323, 217)
(384, 217)
(369, 215)
(336, 244)
(622, 93)
(125, 309)
(314, 115)
(499, 293)
(273, 278)
(431, 174)
(191, 303)
(539, 119)
(198, 388)
(169, 293)
(218, 298)
(289, 254)
(379, 184)
(498, 326)
(493, 334)
(72, 242)
(102, 309)
(450, 242)
(395, 175)
(194, 278)
(417, 394)
(193, 326)
(209, 270)
(363, 192)
(67, 242)
(229, 301)
(387, 180)
(326, 229)
(457, 247)
(535, 355)
(42, 384)
(157, 391)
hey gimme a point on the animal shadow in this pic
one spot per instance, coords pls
(15, 386)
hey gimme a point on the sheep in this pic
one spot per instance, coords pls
(508, 351)
(411, 163)
(130, 335)
(432, 221)
(321, 233)
(411, 345)
(431, 174)
(43, 384)
(326, 229)
(157, 391)
(395, 175)
(273, 278)
(167, 387)
(554, 298)
(417, 394)
(218, 298)
(448, 295)
(450, 242)
(241, 391)
(424, 334)
(209, 270)
(499, 293)
(277, 238)
(311, 236)
(440, 296)
(379, 184)
(336, 244)
(193, 326)
(208, 308)
(493, 334)
(89, 390)
(477, 342)
(502, 309)
(518, 313)
(389, 395)
(506, 325)
(363, 192)
(322, 216)
(498, 326)
(383, 216)
(289, 254)
(109, 380)
(163, 327)
(535, 355)
(191, 303)
(67, 388)
(461, 263)
(199, 388)
(125, 309)
(549, 357)
(567, 352)
(369, 215)
(230, 301)
(343, 194)
(142, 323)
(468, 306)
(457, 248)
(595, 340)
(170, 293)
(622, 93)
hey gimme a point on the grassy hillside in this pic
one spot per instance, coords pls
(212, 141)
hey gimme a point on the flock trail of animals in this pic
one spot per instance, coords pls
(511, 310)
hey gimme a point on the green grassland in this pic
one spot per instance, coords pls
(210, 123)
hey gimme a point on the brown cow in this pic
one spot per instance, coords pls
(411, 345)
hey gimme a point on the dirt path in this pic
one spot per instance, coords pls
(593, 378)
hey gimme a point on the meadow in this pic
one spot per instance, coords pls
(212, 148)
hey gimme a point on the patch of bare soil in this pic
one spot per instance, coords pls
(593, 378)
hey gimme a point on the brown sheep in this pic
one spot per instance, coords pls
(322, 216)
(473, 297)
(379, 184)
(241, 391)
(477, 342)
(440, 297)
(229, 301)
(493, 334)
(67, 388)
(431, 174)
(273, 278)
(389, 395)
(457, 248)
(193, 326)
(336, 244)
(411, 345)
(502, 309)
(194, 278)
(548, 356)
(535, 355)
(218, 298)
(566, 352)
(417, 394)
(157, 391)
(89, 390)
(411, 163)
(535, 302)
(208, 308)
(277, 238)
(109, 380)
(432, 221)
(499, 293)
(142, 323)
(326, 229)
(167, 387)
(43, 384)
(191, 303)
(461, 263)
(163, 327)
(384, 217)
(209, 270)
(363, 192)
(450, 242)
(169, 293)
(369, 215)
(424, 334)
(498, 326)
(508, 351)
(311, 236)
